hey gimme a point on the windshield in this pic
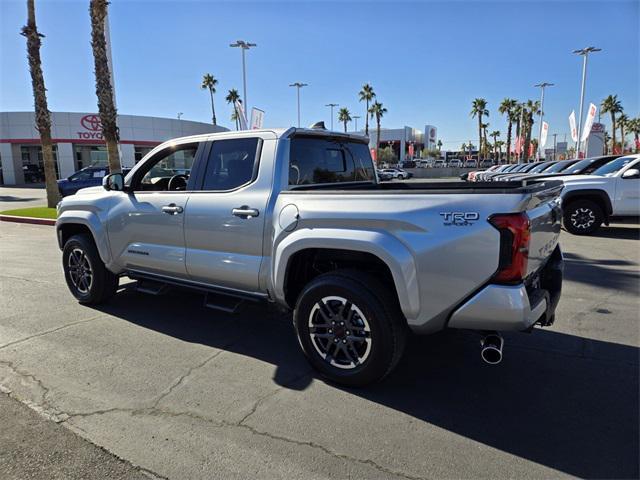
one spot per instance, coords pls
(614, 167)
(582, 164)
(560, 166)
(541, 167)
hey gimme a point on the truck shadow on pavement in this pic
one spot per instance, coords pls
(602, 273)
(563, 401)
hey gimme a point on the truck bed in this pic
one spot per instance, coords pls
(440, 188)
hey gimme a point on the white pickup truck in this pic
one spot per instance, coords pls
(611, 191)
(296, 217)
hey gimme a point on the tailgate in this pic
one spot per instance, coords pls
(545, 217)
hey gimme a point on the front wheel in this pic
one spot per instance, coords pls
(87, 277)
(350, 328)
(582, 217)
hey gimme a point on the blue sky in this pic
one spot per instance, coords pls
(426, 60)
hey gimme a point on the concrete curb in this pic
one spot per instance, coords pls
(34, 221)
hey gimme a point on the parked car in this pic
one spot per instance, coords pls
(523, 169)
(408, 164)
(455, 162)
(470, 163)
(297, 217)
(439, 163)
(398, 173)
(86, 177)
(613, 190)
(383, 175)
(33, 173)
(582, 167)
(486, 163)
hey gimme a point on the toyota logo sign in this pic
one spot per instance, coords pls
(93, 124)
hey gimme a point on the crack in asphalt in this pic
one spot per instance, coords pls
(182, 378)
(28, 280)
(254, 431)
(53, 330)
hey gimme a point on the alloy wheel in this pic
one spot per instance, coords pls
(340, 332)
(80, 271)
(583, 218)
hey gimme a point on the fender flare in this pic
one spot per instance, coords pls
(591, 192)
(93, 223)
(387, 248)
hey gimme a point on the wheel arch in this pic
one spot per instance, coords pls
(85, 223)
(595, 195)
(297, 257)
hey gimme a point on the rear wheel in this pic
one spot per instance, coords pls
(582, 217)
(350, 327)
(87, 277)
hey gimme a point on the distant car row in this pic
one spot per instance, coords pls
(595, 189)
(452, 162)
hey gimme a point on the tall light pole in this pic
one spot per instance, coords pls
(298, 86)
(554, 146)
(244, 46)
(542, 86)
(355, 119)
(585, 55)
(331, 105)
(179, 115)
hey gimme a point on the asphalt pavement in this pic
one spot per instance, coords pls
(182, 391)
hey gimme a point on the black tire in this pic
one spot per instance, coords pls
(79, 257)
(375, 307)
(582, 217)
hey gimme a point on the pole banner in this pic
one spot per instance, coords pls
(242, 118)
(588, 124)
(572, 124)
(257, 118)
(543, 137)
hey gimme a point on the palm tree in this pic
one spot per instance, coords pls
(210, 82)
(439, 144)
(484, 147)
(507, 107)
(366, 95)
(43, 116)
(499, 145)
(478, 109)
(531, 109)
(104, 88)
(495, 134)
(232, 97)
(377, 110)
(612, 105)
(623, 122)
(344, 116)
(634, 128)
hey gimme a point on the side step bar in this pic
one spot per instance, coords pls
(215, 298)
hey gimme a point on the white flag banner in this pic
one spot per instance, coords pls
(591, 115)
(543, 135)
(572, 125)
(242, 118)
(257, 118)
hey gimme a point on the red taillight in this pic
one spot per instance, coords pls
(514, 246)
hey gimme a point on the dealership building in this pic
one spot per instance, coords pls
(78, 142)
(406, 141)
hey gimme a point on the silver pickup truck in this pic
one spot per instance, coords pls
(297, 217)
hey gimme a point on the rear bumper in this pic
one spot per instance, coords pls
(514, 307)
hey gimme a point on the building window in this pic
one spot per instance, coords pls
(140, 152)
(98, 156)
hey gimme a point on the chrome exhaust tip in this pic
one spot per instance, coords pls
(491, 351)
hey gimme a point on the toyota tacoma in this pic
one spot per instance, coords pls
(297, 218)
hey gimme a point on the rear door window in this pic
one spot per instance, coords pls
(233, 163)
(328, 160)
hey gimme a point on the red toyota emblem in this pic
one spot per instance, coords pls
(91, 122)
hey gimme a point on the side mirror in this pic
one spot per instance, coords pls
(631, 173)
(113, 181)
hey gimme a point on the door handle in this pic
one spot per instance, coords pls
(172, 209)
(245, 212)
